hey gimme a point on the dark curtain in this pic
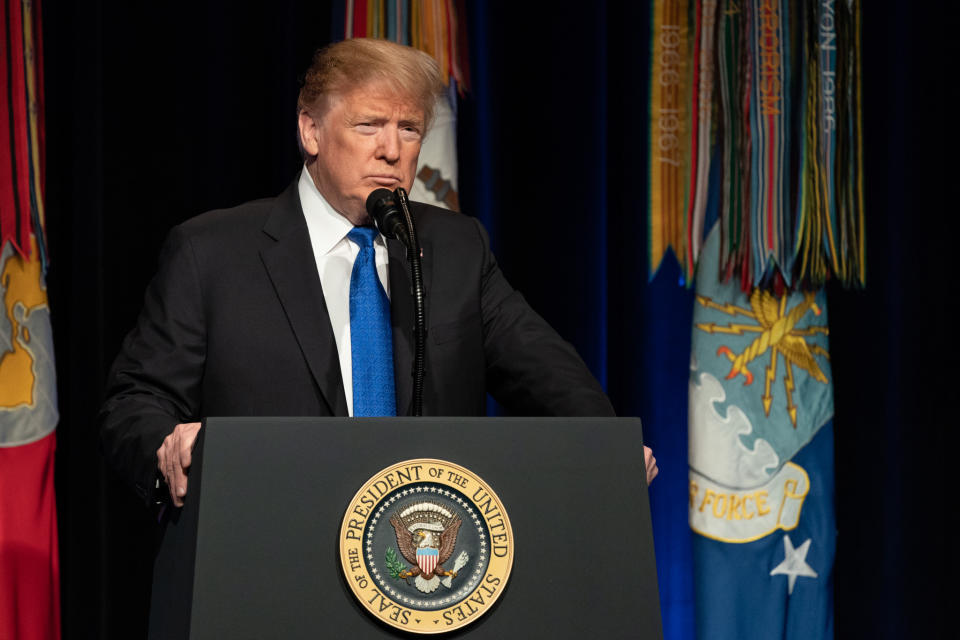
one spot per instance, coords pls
(890, 342)
(156, 114)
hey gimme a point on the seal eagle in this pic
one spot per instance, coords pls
(432, 531)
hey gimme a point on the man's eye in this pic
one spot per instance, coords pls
(366, 127)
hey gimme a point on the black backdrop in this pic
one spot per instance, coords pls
(155, 114)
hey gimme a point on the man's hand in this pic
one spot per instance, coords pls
(651, 464)
(174, 456)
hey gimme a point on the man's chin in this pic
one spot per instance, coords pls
(358, 219)
(353, 210)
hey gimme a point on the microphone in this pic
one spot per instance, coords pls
(383, 207)
(390, 212)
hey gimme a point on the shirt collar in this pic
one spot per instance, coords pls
(326, 226)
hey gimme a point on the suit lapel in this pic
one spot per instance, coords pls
(402, 317)
(292, 268)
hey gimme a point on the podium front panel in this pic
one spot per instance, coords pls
(262, 536)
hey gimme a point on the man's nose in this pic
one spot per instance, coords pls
(389, 147)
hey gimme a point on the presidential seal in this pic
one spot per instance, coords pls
(426, 546)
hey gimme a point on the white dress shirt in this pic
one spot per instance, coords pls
(335, 253)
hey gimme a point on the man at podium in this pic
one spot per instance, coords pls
(297, 306)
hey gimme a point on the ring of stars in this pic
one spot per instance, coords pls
(450, 597)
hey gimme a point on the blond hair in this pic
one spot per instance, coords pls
(344, 66)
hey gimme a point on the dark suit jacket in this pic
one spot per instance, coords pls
(235, 324)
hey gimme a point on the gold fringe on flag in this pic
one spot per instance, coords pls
(671, 124)
(22, 216)
(790, 195)
(432, 26)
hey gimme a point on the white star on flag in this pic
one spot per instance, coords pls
(794, 563)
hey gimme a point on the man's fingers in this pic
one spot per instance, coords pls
(171, 477)
(651, 464)
(188, 436)
(185, 453)
(179, 487)
(169, 474)
(175, 456)
(172, 454)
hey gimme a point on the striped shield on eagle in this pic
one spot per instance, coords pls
(427, 559)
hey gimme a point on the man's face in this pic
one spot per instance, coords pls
(367, 139)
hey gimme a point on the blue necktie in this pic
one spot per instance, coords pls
(371, 338)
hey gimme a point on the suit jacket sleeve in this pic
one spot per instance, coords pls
(155, 381)
(529, 367)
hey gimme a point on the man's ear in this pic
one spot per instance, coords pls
(309, 130)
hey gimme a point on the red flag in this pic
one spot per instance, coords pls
(29, 563)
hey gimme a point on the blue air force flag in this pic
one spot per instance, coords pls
(761, 495)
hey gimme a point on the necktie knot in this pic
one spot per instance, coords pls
(363, 236)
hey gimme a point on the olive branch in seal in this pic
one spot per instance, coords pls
(394, 566)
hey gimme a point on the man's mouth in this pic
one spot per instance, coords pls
(384, 180)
